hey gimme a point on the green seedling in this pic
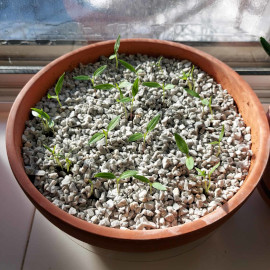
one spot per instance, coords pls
(157, 85)
(116, 48)
(221, 135)
(55, 155)
(158, 64)
(191, 91)
(98, 136)
(58, 89)
(124, 175)
(123, 100)
(96, 74)
(265, 44)
(156, 185)
(68, 162)
(45, 118)
(202, 173)
(130, 67)
(151, 125)
(183, 147)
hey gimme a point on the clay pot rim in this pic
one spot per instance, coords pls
(83, 226)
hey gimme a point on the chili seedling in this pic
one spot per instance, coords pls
(98, 136)
(58, 89)
(151, 125)
(55, 155)
(202, 173)
(96, 74)
(221, 135)
(157, 85)
(45, 118)
(183, 147)
(107, 175)
(116, 48)
(156, 185)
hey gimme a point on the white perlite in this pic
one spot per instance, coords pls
(86, 111)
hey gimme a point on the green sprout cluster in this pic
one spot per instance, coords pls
(48, 123)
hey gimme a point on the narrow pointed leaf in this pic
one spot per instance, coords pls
(127, 174)
(190, 162)
(265, 44)
(96, 137)
(82, 78)
(221, 134)
(135, 87)
(48, 148)
(158, 186)
(213, 169)
(117, 44)
(40, 113)
(49, 96)
(113, 123)
(215, 142)
(152, 84)
(135, 137)
(128, 66)
(200, 172)
(181, 144)
(152, 124)
(124, 100)
(142, 178)
(112, 56)
(192, 93)
(169, 86)
(125, 84)
(105, 175)
(59, 84)
(99, 71)
(106, 86)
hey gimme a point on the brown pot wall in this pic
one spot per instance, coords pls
(127, 240)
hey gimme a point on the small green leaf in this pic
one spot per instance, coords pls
(205, 102)
(49, 96)
(221, 134)
(40, 113)
(128, 66)
(124, 100)
(134, 137)
(96, 137)
(215, 142)
(142, 178)
(105, 175)
(99, 71)
(127, 174)
(265, 44)
(159, 186)
(50, 123)
(135, 87)
(152, 84)
(125, 84)
(213, 169)
(82, 78)
(117, 44)
(200, 172)
(59, 84)
(48, 148)
(113, 123)
(190, 162)
(106, 86)
(112, 56)
(152, 124)
(169, 86)
(181, 144)
(192, 93)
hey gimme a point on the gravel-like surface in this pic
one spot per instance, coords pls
(86, 111)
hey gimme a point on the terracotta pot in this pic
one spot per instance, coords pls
(150, 240)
